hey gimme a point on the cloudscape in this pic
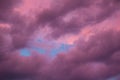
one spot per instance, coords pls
(59, 39)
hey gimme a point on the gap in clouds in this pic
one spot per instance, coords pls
(42, 46)
(59, 39)
(25, 52)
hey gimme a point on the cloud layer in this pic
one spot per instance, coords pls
(95, 54)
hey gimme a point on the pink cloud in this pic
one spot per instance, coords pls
(91, 26)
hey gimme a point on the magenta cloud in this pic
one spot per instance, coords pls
(95, 55)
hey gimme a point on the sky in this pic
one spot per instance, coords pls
(59, 40)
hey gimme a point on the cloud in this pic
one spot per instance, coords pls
(88, 12)
(95, 55)
(16, 67)
(89, 57)
(99, 55)
(6, 9)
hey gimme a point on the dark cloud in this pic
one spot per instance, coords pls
(54, 16)
(6, 9)
(12, 19)
(57, 10)
(6, 5)
(19, 68)
(95, 59)
(20, 31)
(109, 7)
(92, 60)
(60, 9)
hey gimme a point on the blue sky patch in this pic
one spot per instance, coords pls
(40, 50)
(25, 52)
